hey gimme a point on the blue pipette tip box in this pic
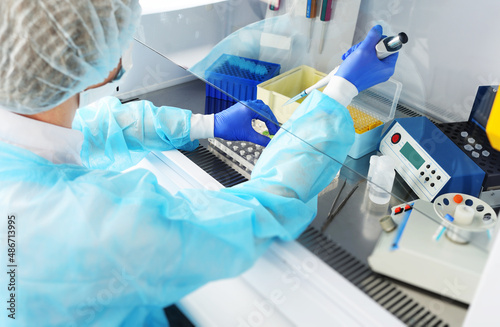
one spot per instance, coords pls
(238, 77)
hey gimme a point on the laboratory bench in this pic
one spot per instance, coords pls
(346, 241)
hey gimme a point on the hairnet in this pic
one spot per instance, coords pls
(52, 49)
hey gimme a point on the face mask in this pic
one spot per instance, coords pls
(112, 88)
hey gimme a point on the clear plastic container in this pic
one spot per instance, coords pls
(381, 178)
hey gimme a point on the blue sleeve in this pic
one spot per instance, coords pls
(111, 247)
(117, 136)
(182, 241)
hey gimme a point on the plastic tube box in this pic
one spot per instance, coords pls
(237, 77)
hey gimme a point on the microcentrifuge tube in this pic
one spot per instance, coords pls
(468, 147)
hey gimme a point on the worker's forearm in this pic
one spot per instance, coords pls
(118, 135)
(307, 152)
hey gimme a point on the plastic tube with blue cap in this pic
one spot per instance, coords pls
(442, 228)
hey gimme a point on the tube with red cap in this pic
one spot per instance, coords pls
(274, 5)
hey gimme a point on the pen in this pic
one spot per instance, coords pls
(274, 5)
(326, 13)
(401, 228)
(311, 14)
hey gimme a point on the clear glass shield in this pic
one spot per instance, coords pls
(419, 183)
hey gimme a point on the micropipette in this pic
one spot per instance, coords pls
(326, 13)
(311, 14)
(318, 85)
(384, 48)
(390, 45)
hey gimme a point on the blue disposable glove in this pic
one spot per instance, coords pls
(235, 123)
(361, 66)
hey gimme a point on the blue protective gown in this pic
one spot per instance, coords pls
(98, 247)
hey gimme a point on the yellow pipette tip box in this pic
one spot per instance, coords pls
(363, 122)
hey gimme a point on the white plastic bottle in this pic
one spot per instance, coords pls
(381, 178)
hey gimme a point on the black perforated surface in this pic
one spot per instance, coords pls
(477, 140)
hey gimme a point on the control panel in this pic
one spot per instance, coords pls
(420, 171)
(429, 162)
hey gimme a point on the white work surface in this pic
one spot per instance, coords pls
(288, 285)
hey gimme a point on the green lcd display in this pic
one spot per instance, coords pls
(409, 152)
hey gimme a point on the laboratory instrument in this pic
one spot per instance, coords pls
(447, 262)
(390, 45)
(333, 212)
(428, 160)
(470, 214)
(334, 202)
(311, 14)
(325, 16)
(470, 136)
(384, 48)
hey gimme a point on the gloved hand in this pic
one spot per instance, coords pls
(361, 66)
(354, 47)
(235, 123)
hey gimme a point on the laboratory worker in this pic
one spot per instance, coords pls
(85, 244)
